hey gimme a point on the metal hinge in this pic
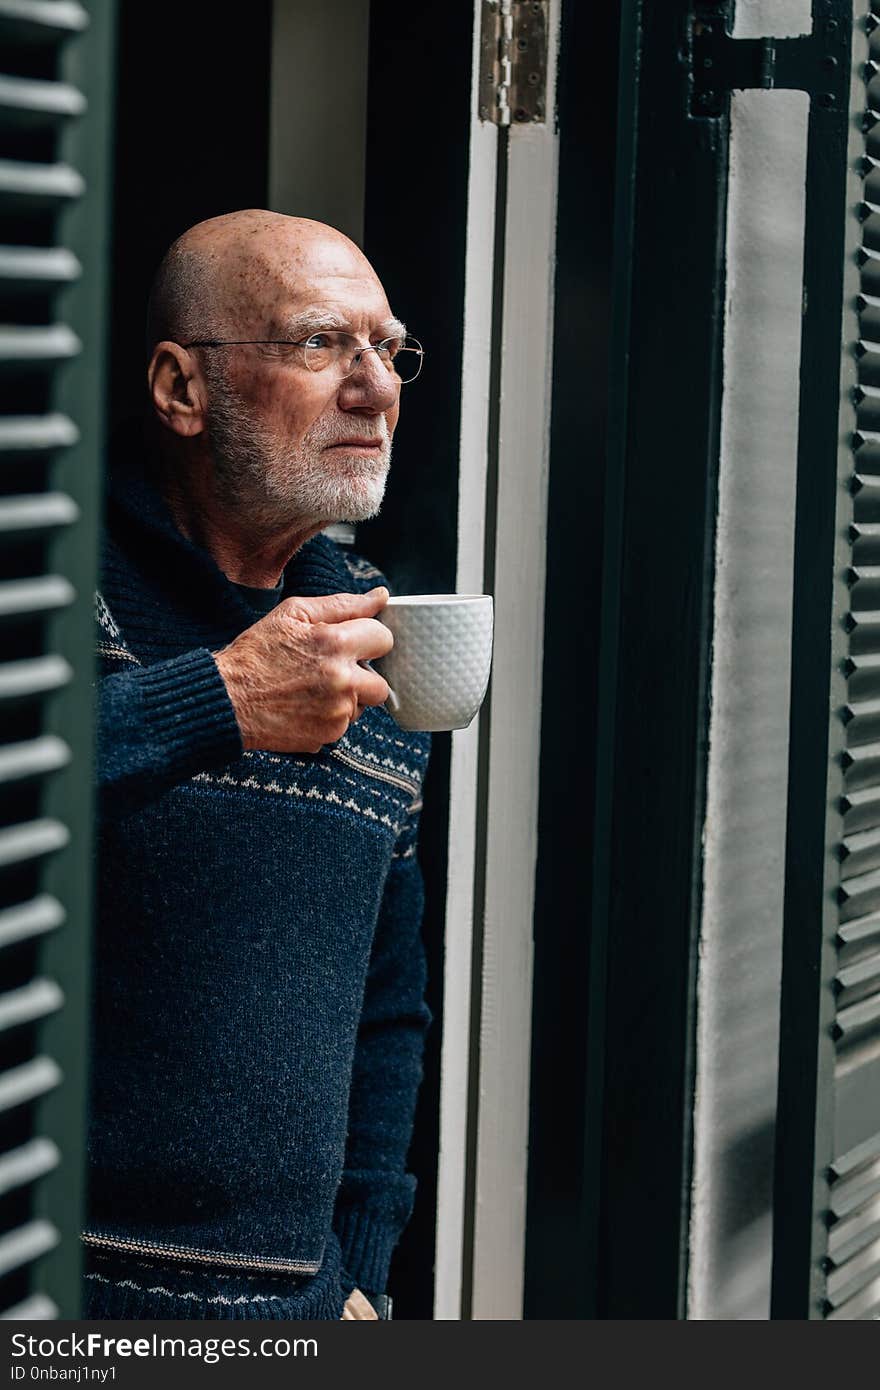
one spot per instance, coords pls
(816, 63)
(513, 61)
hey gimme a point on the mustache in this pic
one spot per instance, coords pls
(340, 431)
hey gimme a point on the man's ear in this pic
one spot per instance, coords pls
(177, 389)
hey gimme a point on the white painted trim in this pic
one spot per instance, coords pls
(455, 1049)
(515, 707)
(740, 965)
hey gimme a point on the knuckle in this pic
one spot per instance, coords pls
(293, 610)
(338, 676)
(341, 707)
(325, 638)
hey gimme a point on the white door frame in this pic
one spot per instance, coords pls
(506, 400)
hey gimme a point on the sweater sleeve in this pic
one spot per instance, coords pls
(376, 1194)
(159, 724)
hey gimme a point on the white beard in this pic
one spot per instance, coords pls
(295, 483)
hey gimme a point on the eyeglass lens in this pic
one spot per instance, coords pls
(340, 351)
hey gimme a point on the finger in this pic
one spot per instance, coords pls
(369, 688)
(359, 1308)
(336, 608)
(364, 639)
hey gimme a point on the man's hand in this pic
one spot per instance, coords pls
(295, 678)
(358, 1309)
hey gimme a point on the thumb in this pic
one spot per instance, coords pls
(337, 608)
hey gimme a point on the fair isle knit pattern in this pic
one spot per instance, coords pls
(259, 1015)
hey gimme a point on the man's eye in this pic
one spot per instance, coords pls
(318, 340)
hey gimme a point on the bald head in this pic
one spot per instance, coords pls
(223, 277)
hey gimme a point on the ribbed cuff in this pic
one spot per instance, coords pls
(367, 1245)
(188, 712)
(121, 1289)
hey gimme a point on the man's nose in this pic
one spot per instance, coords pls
(369, 384)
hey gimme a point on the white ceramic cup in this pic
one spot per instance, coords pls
(438, 668)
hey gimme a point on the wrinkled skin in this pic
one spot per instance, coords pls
(295, 677)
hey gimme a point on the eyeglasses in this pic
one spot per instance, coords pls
(338, 353)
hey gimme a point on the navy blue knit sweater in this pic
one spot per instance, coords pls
(259, 1014)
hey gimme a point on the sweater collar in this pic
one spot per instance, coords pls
(138, 512)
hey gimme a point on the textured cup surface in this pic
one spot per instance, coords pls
(438, 669)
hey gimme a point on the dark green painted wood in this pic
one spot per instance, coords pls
(559, 1279)
(658, 583)
(808, 1097)
(80, 393)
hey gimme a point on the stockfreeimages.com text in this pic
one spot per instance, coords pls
(210, 1349)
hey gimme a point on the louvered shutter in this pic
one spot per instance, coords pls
(55, 69)
(827, 1198)
(850, 1180)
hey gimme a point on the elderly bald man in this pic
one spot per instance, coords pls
(259, 1003)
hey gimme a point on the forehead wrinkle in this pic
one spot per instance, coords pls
(311, 319)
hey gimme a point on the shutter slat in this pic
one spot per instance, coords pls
(37, 346)
(25, 1244)
(870, 218)
(32, 840)
(40, 21)
(861, 852)
(866, 544)
(866, 447)
(866, 496)
(854, 1192)
(864, 584)
(852, 1234)
(39, 185)
(27, 1164)
(44, 511)
(36, 434)
(861, 765)
(851, 1278)
(43, 594)
(869, 261)
(861, 810)
(20, 680)
(864, 970)
(863, 1306)
(39, 1307)
(865, 929)
(42, 914)
(855, 1018)
(868, 357)
(34, 758)
(867, 398)
(26, 268)
(864, 632)
(33, 1079)
(858, 896)
(871, 174)
(855, 1159)
(31, 1002)
(29, 102)
(868, 306)
(862, 720)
